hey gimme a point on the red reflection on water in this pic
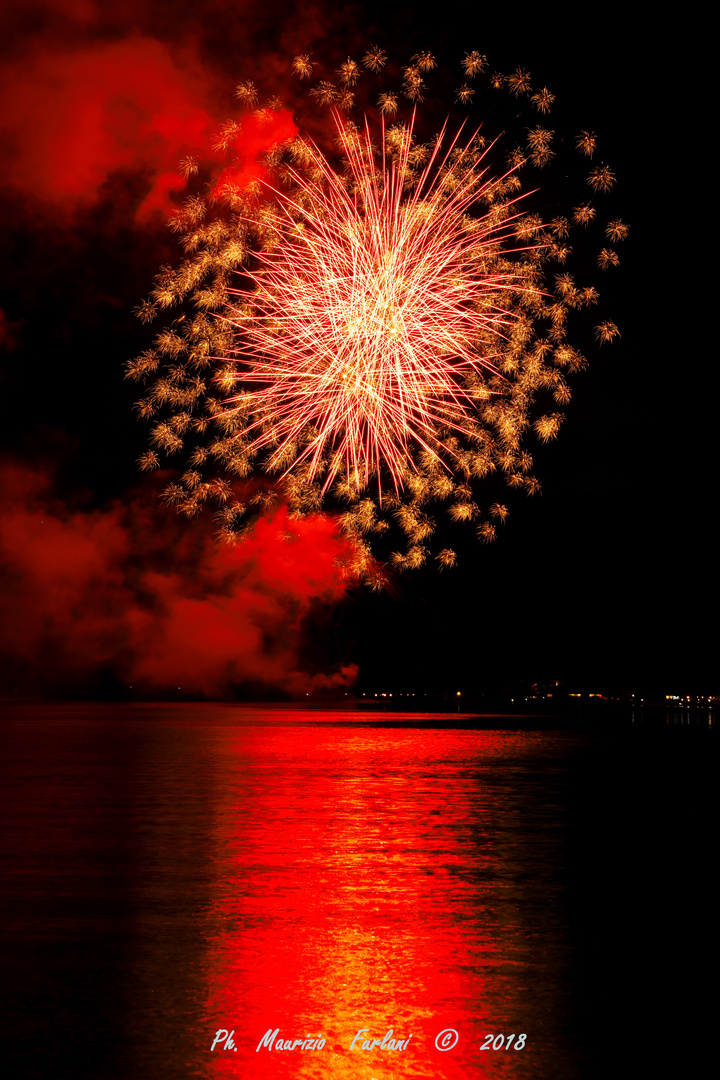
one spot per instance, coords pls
(364, 883)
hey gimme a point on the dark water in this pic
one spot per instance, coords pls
(173, 871)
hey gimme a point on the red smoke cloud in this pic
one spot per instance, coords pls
(257, 134)
(90, 591)
(71, 116)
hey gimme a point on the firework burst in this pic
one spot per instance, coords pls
(374, 336)
(374, 315)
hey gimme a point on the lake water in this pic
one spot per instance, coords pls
(178, 870)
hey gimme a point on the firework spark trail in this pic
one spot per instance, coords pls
(400, 322)
(368, 316)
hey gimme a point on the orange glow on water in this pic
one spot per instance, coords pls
(372, 892)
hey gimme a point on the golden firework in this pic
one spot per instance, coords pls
(378, 335)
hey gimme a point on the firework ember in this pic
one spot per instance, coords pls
(370, 338)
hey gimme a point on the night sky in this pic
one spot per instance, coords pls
(605, 580)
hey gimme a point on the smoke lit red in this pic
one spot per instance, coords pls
(92, 590)
(73, 117)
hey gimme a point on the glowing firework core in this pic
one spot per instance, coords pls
(371, 314)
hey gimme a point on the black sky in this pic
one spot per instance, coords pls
(610, 576)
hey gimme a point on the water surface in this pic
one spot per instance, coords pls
(177, 870)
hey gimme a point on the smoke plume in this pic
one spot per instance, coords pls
(89, 593)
